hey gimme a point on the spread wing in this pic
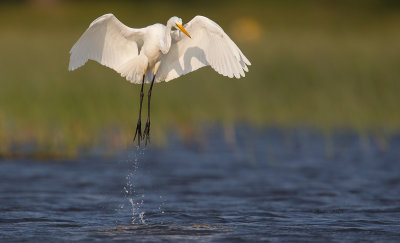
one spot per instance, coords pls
(107, 41)
(209, 45)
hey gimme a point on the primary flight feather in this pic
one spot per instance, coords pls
(158, 53)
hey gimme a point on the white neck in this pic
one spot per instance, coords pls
(166, 41)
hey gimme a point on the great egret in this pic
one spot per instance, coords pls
(157, 53)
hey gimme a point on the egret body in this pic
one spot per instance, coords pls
(158, 53)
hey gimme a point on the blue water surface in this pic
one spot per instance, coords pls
(254, 185)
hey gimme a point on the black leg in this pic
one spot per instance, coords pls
(139, 123)
(147, 128)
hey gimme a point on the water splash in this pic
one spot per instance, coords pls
(135, 199)
(141, 217)
(161, 206)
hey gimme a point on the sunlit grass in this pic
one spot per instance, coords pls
(318, 66)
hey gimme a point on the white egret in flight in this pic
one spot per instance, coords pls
(158, 53)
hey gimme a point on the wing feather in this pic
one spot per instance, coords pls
(209, 46)
(107, 41)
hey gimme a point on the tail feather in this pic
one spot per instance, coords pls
(134, 69)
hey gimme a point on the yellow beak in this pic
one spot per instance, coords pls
(183, 30)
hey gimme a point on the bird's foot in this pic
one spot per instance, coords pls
(138, 132)
(146, 132)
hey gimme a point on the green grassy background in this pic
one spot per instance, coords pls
(322, 64)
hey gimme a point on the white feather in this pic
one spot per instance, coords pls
(110, 43)
(209, 45)
(117, 46)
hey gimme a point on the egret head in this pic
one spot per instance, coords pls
(177, 23)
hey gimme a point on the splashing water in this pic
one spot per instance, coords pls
(135, 200)
(160, 207)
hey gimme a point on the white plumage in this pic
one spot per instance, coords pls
(158, 50)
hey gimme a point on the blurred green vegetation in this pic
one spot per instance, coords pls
(323, 64)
